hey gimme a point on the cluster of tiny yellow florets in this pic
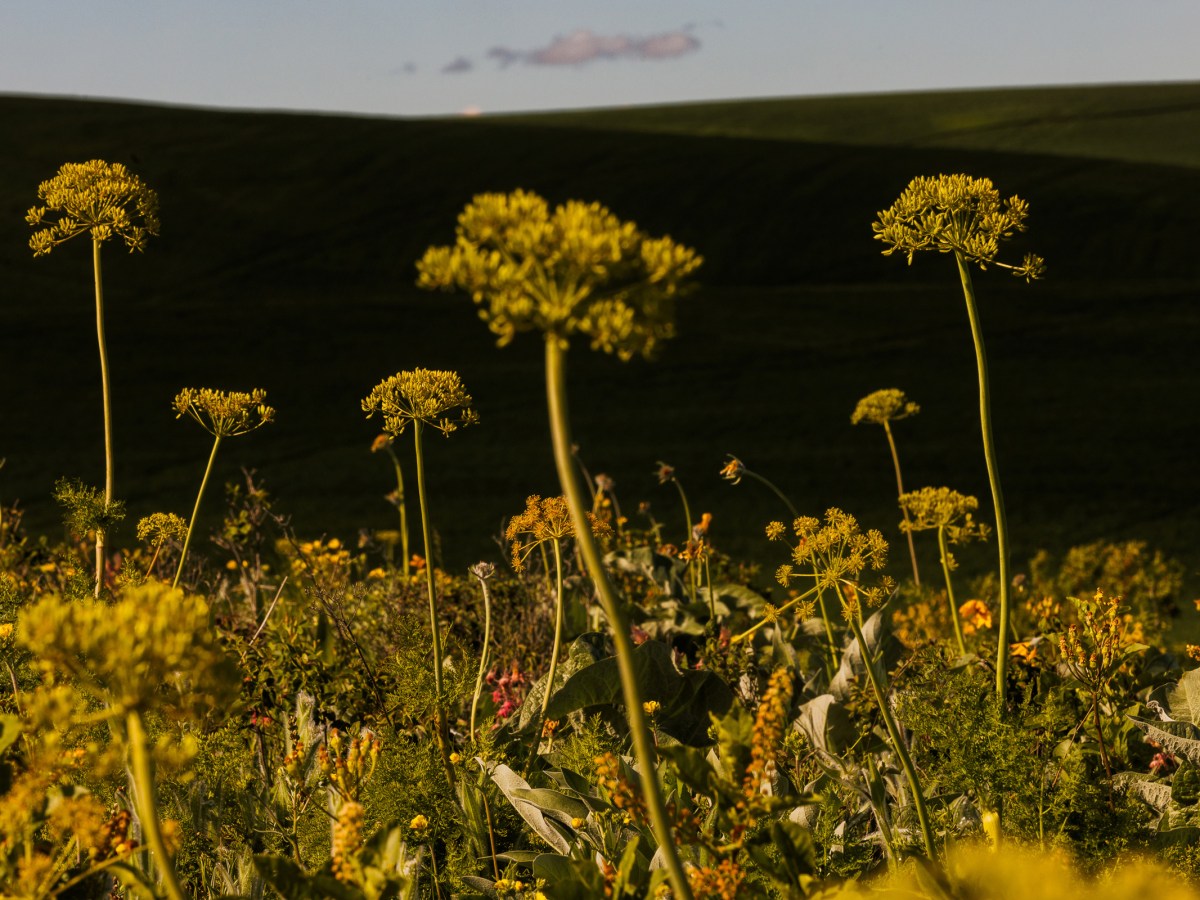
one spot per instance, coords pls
(1094, 648)
(347, 764)
(101, 198)
(720, 882)
(931, 508)
(838, 552)
(955, 214)
(766, 740)
(126, 652)
(420, 395)
(623, 795)
(574, 269)
(224, 413)
(347, 841)
(542, 521)
(158, 528)
(880, 407)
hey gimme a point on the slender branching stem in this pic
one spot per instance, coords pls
(989, 452)
(778, 493)
(187, 541)
(402, 506)
(912, 550)
(643, 742)
(106, 393)
(434, 628)
(897, 739)
(958, 633)
(143, 776)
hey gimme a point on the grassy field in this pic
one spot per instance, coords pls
(287, 262)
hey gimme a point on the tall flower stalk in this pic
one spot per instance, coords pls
(384, 442)
(223, 414)
(838, 552)
(547, 522)
(882, 408)
(965, 216)
(424, 398)
(574, 270)
(952, 515)
(106, 201)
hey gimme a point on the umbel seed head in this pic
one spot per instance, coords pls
(421, 395)
(959, 214)
(574, 269)
(224, 413)
(101, 198)
(880, 407)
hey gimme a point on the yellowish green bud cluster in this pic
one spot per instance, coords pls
(224, 413)
(955, 214)
(838, 551)
(97, 197)
(887, 405)
(941, 507)
(421, 395)
(576, 269)
(125, 653)
(157, 528)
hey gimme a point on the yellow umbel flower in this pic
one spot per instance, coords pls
(576, 269)
(955, 214)
(542, 521)
(97, 197)
(888, 405)
(420, 395)
(941, 507)
(224, 413)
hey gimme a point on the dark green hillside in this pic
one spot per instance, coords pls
(287, 262)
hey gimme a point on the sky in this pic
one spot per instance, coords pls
(446, 57)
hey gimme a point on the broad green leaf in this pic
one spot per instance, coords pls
(549, 801)
(510, 783)
(685, 698)
(1180, 738)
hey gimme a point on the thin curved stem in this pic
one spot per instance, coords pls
(483, 657)
(989, 452)
(912, 549)
(687, 516)
(897, 740)
(958, 634)
(539, 724)
(434, 628)
(143, 777)
(106, 392)
(402, 506)
(643, 742)
(187, 541)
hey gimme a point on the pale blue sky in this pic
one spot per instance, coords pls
(402, 57)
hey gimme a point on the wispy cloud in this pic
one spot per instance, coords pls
(462, 64)
(585, 46)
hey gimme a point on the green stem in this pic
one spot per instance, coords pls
(687, 516)
(898, 745)
(107, 397)
(539, 724)
(402, 506)
(989, 452)
(187, 541)
(143, 778)
(962, 647)
(483, 657)
(778, 493)
(912, 550)
(434, 628)
(643, 743)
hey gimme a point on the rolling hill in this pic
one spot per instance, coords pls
(286, 262)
